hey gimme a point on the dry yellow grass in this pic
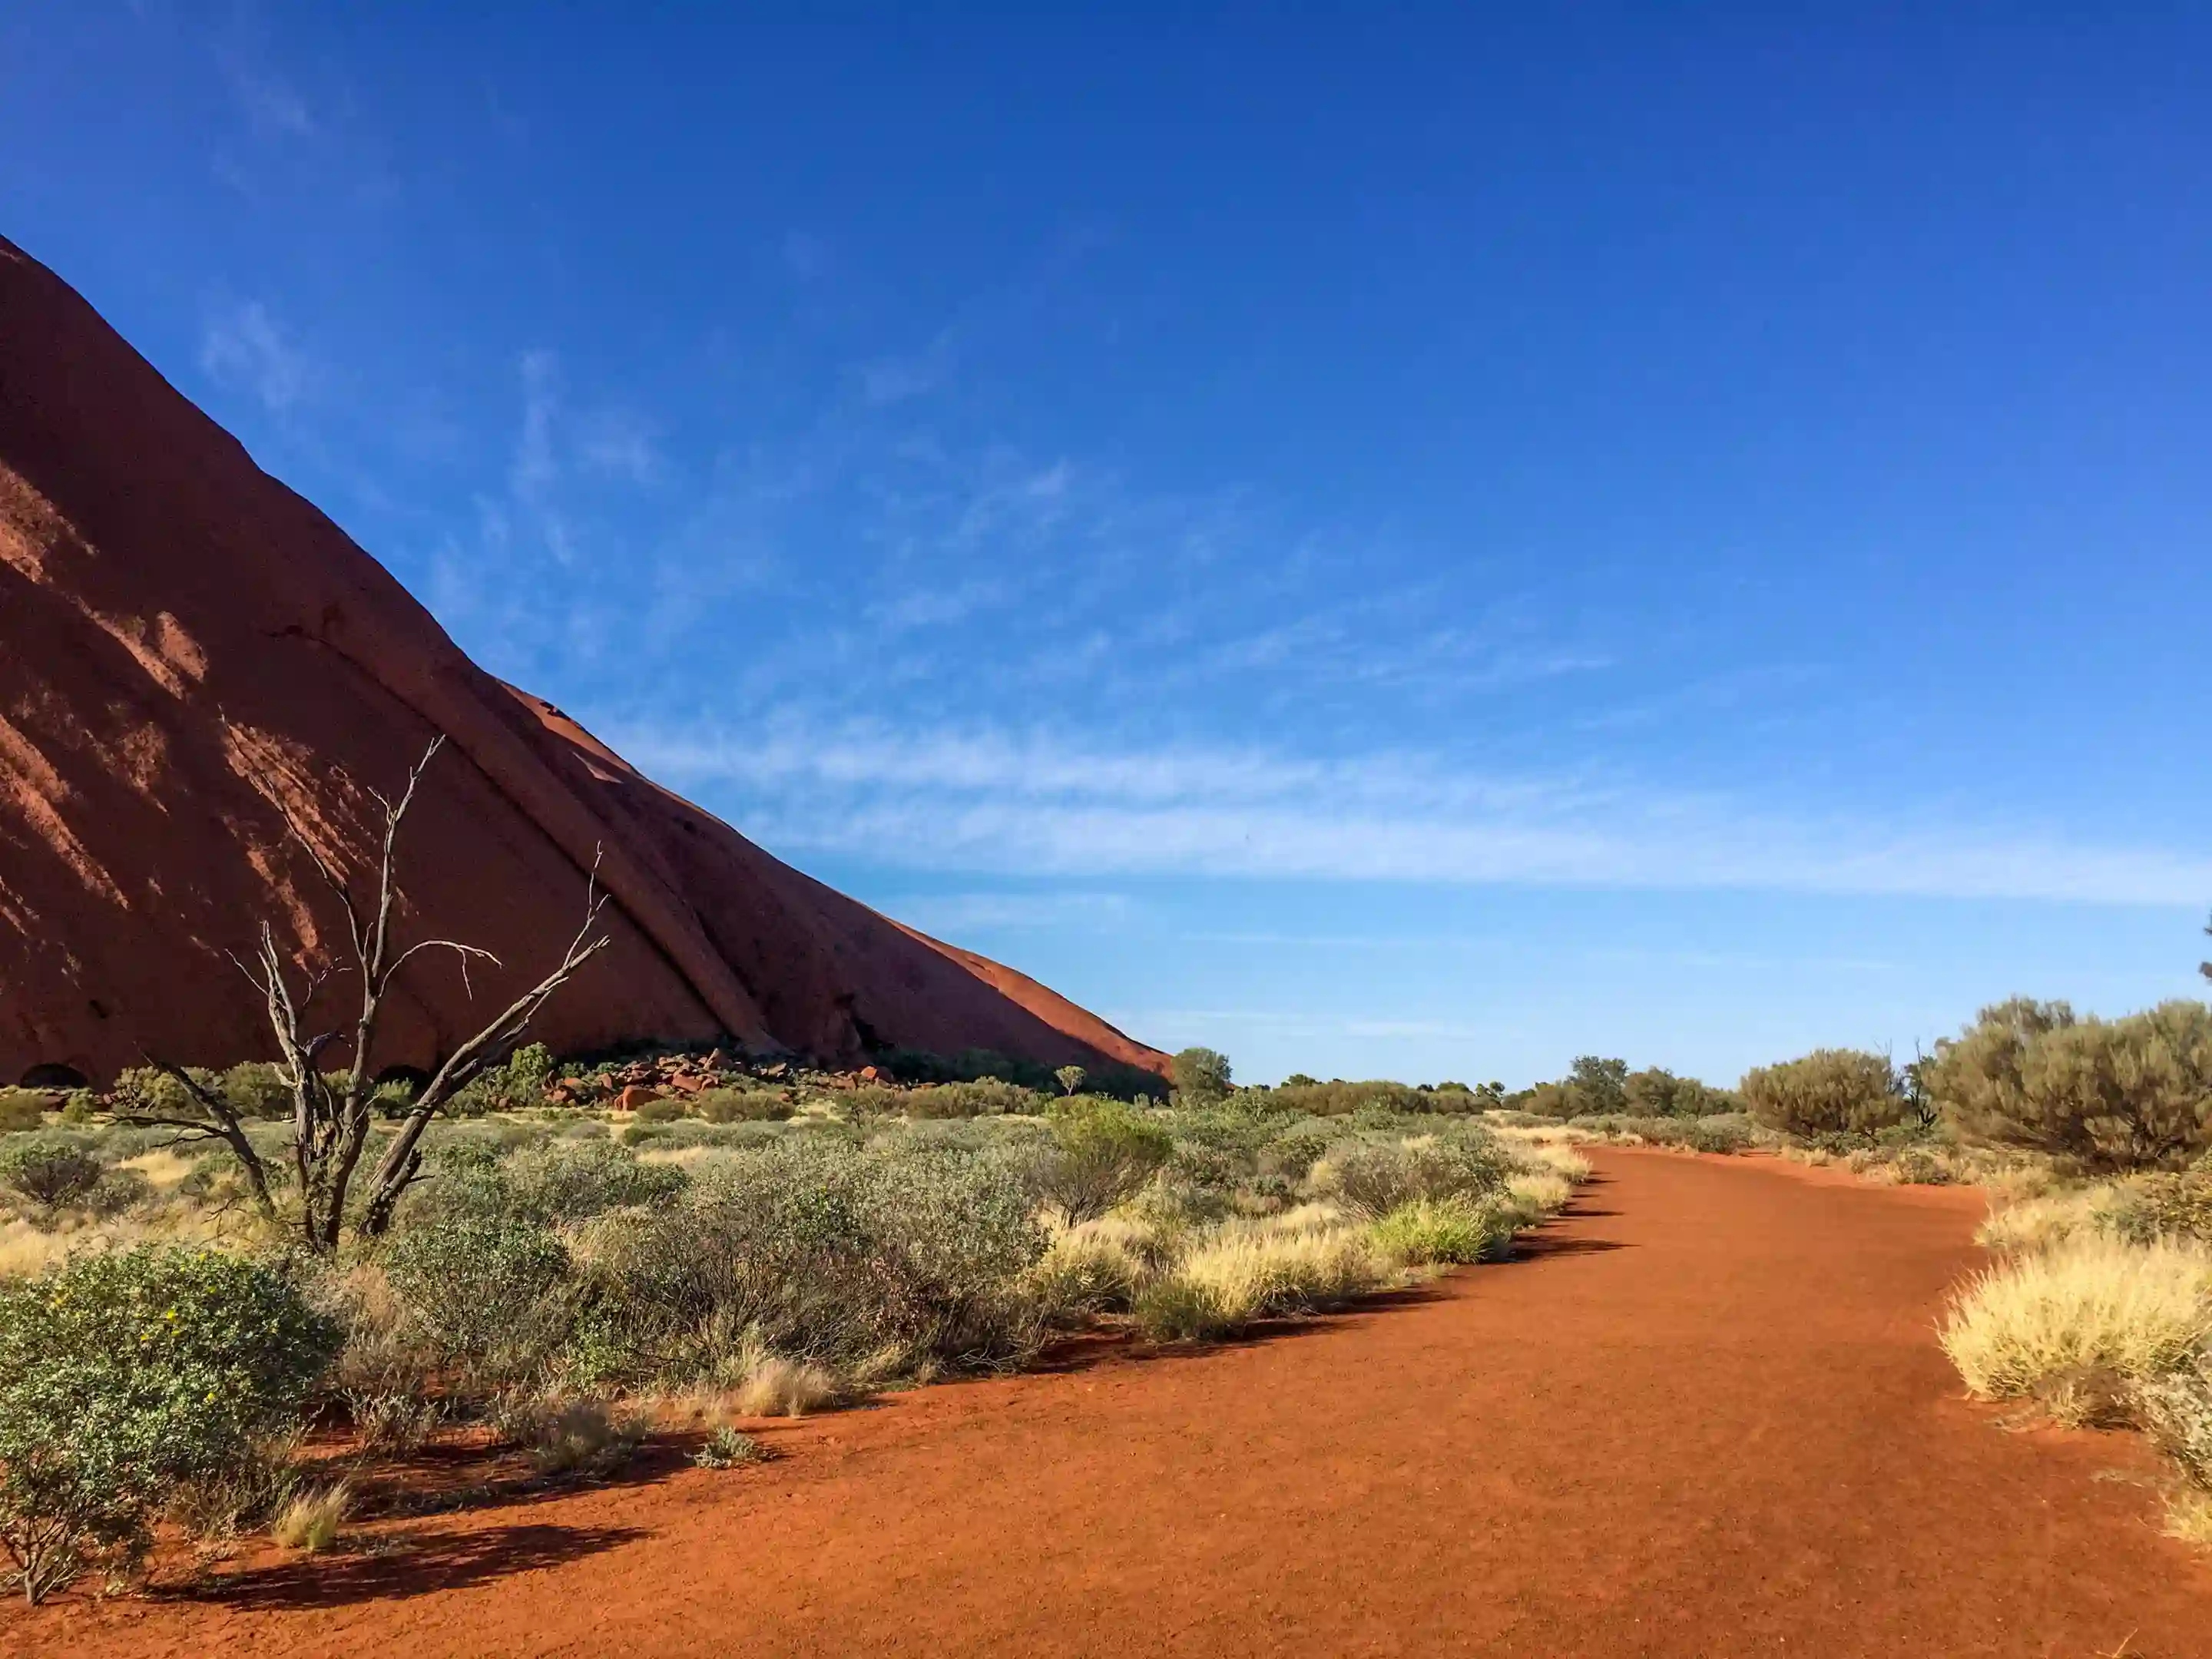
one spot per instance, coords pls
(2088, 1303)
(1283, 1264)
(1540, 1195)
(776, 1387)
(1098, 1265)
(311, 1521)
(2189, 1516)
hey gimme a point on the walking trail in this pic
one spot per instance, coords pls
(1706, 1415)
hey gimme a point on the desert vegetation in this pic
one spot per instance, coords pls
(592, 1250)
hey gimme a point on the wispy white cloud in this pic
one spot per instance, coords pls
(1001, 802)
(243, 348)
(953, 916)
(896, 378)
(272, 105)
(618, 443)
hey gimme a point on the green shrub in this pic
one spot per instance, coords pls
(517, 1085)
(557, 1183)
(985, 1098)
(2177, 1410)
(22, 1109)
(743, 1105)
(124, 1376)
(1340, 1099)
(481, 1290)
(1602, 1083)
(729, 1449)
(256, 1089)
(814, 1248)
(1103, 1152)
(2151, 1207)
(1657, 1092)
(1722, 1134)
(54, 1172)
(114, 1192)
(661, 1111)
(1202, 1074)
(2123, 1094)
(1373, 1178)
(1828, 1091)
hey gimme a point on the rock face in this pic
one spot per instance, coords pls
(184, 642)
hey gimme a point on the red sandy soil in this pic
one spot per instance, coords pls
(1706, 1415)
(184, 643)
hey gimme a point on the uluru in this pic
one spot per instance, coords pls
(192, 650)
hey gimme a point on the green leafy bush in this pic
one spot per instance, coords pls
(481, 1288)
(53, 1172)
(256, 1089)
(1657, 1092)
(1202, 1074)
(1340, 1099)
(124, 1376)
(1828, 1091)
(2123, 1094)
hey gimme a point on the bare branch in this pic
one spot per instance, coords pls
(402, 1164)
(227, 1128)
(463, 951)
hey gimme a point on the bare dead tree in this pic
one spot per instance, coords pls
(333, 1114)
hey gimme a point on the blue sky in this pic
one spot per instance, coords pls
(1388, 541)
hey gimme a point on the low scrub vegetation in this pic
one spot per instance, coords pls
(766, 1244)
(2100, 1310)
(126, 1377)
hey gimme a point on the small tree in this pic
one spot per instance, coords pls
(1202, 1074)
(1070, 1078)
(1828, 1091)
(125, 1375)
(332, 1114)
(1601, 1083)
(1103, 1154)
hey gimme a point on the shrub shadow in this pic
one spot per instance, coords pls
(448, 1480)
(1535, 1247)
(400, 1564)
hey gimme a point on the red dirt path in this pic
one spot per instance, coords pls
(1707, 1416)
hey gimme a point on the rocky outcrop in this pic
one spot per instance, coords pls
(188, 648)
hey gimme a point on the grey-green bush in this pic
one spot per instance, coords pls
(1373, 1178)
(553, 1184)
(482, 1291)
(122, 1378)
(2122, 1094)
(817, 1249)
(1101, 1153)
(22, 1109)
(1828, 1091)
(49, 1171)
